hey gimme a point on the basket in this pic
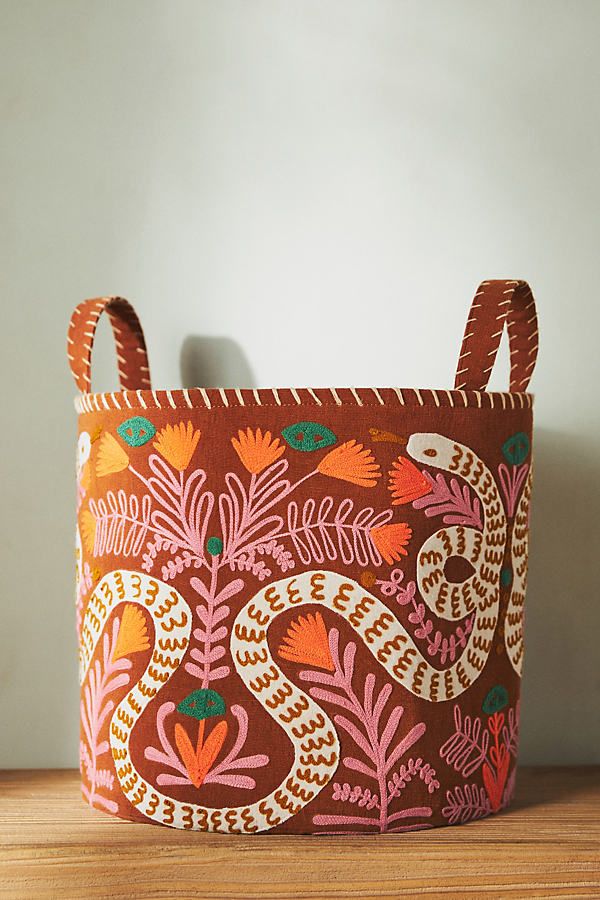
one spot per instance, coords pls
(301, 610)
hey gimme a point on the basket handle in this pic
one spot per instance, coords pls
(132, 356)
(495, 304)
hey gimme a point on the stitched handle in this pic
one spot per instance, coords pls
(132, 357)
(494, 304)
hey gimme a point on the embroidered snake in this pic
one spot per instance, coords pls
(306, 725)
(513, 624)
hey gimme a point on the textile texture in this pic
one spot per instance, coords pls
(345, 707)
(301, 611)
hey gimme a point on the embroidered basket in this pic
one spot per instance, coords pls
(301, 610)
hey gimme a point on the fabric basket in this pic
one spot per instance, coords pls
(301, 610)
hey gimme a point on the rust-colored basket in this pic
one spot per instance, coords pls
(301, 610)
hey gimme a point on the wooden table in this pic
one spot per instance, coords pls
(52, 846)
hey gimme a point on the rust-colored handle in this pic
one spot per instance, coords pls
(495, 304)
(132, 357)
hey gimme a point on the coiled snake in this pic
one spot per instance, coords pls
(305, 723)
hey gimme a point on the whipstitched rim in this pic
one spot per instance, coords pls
(224, 398)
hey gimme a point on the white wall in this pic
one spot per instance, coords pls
(281, 175)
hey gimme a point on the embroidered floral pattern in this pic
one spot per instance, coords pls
(198, 562)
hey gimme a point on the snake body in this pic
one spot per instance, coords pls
(513, 625)
(306, 725)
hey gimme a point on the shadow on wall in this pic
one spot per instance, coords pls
(561, 713)
(214, 362)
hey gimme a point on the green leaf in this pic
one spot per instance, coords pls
(516, 448)
(495, 700)
(202, 704)
(308, 436)
(137, 431)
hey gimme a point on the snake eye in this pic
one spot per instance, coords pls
(430, 452)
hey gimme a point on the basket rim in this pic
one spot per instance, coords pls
(209, 399)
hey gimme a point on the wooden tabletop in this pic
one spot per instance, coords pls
(53, 846)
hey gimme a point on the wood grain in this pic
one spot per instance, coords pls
(53, 846)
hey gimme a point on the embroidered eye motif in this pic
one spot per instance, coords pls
(202, 704)
(136, 431)
(308, 436)
(516, 448)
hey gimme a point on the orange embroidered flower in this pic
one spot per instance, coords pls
(306, 641)
(88, 530)
(85, 478)
(255, 450)
(199, 762)
(133, 633)
(111, 456)
(407, 483)
(176, 443)
(391, 540)
(351, 462)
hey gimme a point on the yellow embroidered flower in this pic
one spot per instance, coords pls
(88, 530)
(391, 540)
(255, 450)
(306, 641)
(351, 462)
(133, 633)
(176, 443)
(111, 456)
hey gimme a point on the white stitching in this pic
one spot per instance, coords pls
(356, 397)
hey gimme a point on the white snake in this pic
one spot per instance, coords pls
(306, 725)
(513, 624)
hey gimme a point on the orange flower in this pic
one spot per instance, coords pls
(88, 530)
(407, 483)
(198, 762)
(255, 450)
(133, 633)
(111, 456)
(350, 462)
(176, 443)
(306, 641)
(85, 478)
(391, 540)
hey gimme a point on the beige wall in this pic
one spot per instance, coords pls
(254, 174)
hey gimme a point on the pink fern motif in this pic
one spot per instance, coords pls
(228, 771)
(467, 748)
(212, 632)
(321, 533)
(380, 745)
(122, 523)
(465, 804)
(103, 678)
(473, 746)
(437, 643)
(511, 481)
(456, 504)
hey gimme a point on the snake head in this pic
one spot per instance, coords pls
(431, 449)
